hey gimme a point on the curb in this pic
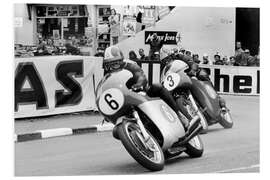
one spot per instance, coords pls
(48, 133)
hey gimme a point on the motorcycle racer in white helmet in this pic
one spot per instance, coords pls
(114, 61)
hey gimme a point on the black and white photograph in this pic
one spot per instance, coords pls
(135, 89)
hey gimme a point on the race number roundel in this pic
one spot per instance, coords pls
(111, 101)
(171, 81)
(168, 114)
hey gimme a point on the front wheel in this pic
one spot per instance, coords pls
(146, 152)
(195, 147)
(226, 119)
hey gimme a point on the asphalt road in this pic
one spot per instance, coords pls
(226, 150)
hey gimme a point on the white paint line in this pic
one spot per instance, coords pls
(55, 132)
(238, 169)
(105, 127)
(15, 137)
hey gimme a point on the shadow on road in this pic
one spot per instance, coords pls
(178, 159)
(133, 168)
(213, 130)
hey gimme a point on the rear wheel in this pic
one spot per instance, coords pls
(188, 110)
(195, 147)
(146, 152)
(226, 119)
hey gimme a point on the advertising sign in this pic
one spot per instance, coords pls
(56, 34)
(168, 37)
(148, 17)
(129, 27)
(236, 80)
(55, 84)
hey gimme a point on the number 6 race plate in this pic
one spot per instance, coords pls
(171, 81)
(111, 101)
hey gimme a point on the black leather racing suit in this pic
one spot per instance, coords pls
(155, 90)
(194, 70)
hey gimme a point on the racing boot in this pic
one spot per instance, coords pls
(222, 103)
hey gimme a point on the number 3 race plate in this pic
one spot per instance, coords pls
(171, 81)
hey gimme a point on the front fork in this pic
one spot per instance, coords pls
(140, 124)
(198, 112)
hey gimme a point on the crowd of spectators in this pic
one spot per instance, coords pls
(72, 47)
(49, 46)
(240, 58)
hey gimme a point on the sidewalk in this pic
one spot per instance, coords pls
(74, 120)
(60, 125)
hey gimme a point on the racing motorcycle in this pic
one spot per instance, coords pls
(148, 128)
(194, 96)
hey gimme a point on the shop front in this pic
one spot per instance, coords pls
(86, 27)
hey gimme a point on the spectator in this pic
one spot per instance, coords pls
(83, 41)
(71, 49)
(182, 51)
(196, 58)
(142, 55)
(232, 61)
(225, 60)
(174, 54)
(114, 26)
(74, 41)
(238, 49)
(139, 17)
(42, 49)
(132, 56)
(155, 46)
(242, 58)
(255, 61)
(100, 52)
(251, 61)
(205, 59)
(218, 61)
(257, 58)
(188, 53)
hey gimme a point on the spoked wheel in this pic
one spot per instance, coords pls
(195, 147)
(146, 152)
(226, 120)
(188, 110)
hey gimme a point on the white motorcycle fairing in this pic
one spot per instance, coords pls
(165, 119)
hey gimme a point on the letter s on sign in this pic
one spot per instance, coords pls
(64, 72)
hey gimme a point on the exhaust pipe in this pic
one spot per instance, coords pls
(193, 123)
(189, 136)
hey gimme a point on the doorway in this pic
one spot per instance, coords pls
(248, 28)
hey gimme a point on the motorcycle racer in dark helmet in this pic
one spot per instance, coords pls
(114, 61)
(194, 70)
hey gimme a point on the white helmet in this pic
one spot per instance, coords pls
(113, 58)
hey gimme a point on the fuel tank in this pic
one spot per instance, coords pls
(165, 119)
(206, 96)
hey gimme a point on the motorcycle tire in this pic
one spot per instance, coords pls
(226, 119)
(129, 135)
(181, 101)
(195, 147)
